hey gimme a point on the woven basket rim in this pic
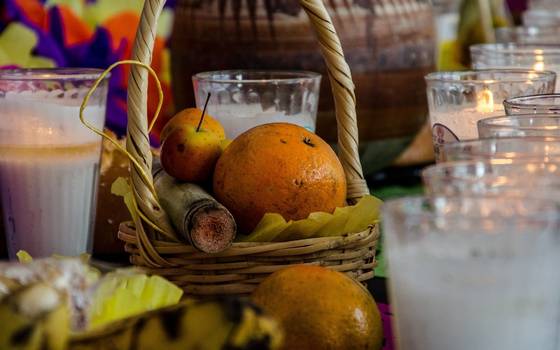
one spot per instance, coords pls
(127, 235)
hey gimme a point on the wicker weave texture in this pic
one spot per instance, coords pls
(240, 268)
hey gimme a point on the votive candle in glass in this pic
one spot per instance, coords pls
(49, 160)
(243, 99)
(473, 272)
(518, 56)
(457, 100)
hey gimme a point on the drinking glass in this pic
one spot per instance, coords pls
(49, 161)
(512, 55)
(493, 177)
(508, 150)
(522, 125)
(242, 99)
(473, 272)
(457, 100)
(535, 104)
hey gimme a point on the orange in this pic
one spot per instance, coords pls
(191, 117)
(320, 308)
(278, 168)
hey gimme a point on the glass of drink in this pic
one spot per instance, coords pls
(535, 104)
(508, 150)
(473, 273)
(242, 99)
(49, 161)
(457, 100)
(536, 125)
(492, 177)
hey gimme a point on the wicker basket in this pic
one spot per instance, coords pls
(240, 268)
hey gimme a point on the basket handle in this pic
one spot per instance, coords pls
(137, 131)
(344, 98)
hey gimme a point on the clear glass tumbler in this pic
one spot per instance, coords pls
(522, 125)
(507, 150)
(243, 99)
(532, 179)
(511, 55)
(457, 100)
(49, 161)
(535, 104)
(473, 273)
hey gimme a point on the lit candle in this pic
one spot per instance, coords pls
(455, 125)
(458, 100)
(485, 102)
(539, 57)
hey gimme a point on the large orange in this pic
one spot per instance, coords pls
(191, 117)
(278, 168)
(321, 309)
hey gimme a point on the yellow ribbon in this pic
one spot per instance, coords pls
(103, 134)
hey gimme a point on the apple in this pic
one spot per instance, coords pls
(192, 117)
(190, 155)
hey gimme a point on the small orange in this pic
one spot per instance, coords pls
(320, 308)
(191, 117)
(278, 168)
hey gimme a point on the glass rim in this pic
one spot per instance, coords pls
(417, 207)
(275, 76)
(502, 156)
(516, 49)
(519, 101)
(498, 122)
(46, 74)
(528, 30)
(533, 139)
(438, 170)
(522, 76)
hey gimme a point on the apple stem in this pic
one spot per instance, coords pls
(203, 112)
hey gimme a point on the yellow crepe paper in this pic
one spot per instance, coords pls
(24, 257)
(356, 218)
(129, 292)
(274, 228)
(122, 188)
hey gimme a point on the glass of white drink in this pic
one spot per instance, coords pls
(474, 273)
(243, 99)
(49, 161)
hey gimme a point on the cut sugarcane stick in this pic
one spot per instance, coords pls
(197, 216)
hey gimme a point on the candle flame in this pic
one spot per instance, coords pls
(539, 65)
(485, 102)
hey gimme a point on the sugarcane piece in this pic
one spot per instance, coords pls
(34, 317)
(201, 325)
(196, 215)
